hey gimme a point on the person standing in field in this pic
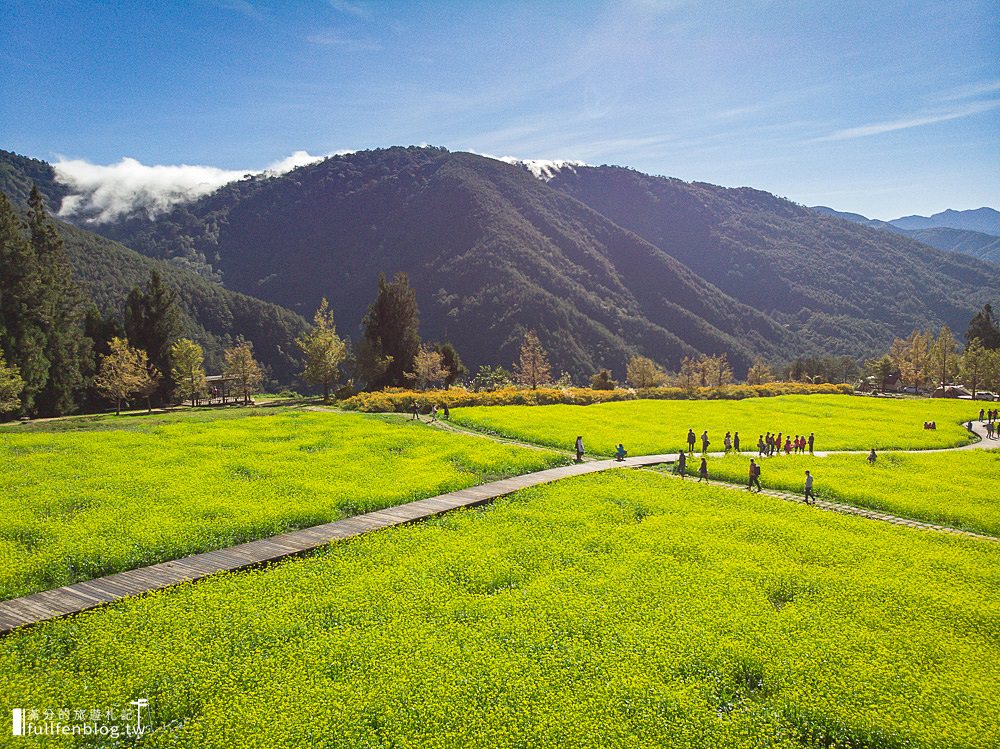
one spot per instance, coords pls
(809, 489)
(703, 470)
(736, 441)
(447, 413)
(872, 457)
(691, 440)
(812, 440)
(754, 476)
(416, 411)
(704, 442)
(681, 466)
(579, 449)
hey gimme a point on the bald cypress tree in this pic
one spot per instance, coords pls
(22, 333)
(67, 349)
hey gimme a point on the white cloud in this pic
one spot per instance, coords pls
(335, 38)
(351, 8)
(877, 128)
(105, 192)
(543, 169)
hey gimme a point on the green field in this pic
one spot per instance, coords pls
(619, 610)
(81, 498)
(840, 422)
(961, 490)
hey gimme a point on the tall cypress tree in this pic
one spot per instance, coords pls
(22, 335)
(984, 327)
(153, 323)
(391, 329)
(67, 349)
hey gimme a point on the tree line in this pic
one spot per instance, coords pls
(924, 360)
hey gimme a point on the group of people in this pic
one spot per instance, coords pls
(444, 411)
(992, 419)
(770, 444)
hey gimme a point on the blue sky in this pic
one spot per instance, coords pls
(881, 108)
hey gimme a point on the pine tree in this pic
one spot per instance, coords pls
(153, 323)
(533, 367)
(984, 326)
(67, 349)
(323, 349)
(188, 370)
(243, 369)
(11, 386)
(391, 329)
(451, 362)
(22, 335)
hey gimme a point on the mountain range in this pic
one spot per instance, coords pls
(975, 233)
(604, 262)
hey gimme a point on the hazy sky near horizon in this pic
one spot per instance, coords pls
(884, 109)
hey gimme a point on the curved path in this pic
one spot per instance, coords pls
(72, 599)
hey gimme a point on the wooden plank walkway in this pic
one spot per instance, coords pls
(72, 599)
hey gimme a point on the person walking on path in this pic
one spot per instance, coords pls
(809, 489)
(777, 444)
(447, 413)
(681, 466)
(812, 440)
(691, 439)
(788, 445)
(434, 412)
(416, 412)
(620, 452)
(579, 449)
(703, 470)
(727, 442)
(761, 446)
(736, 441)
(754, 477)
(981, 414)
(704, 442)
(872, 457)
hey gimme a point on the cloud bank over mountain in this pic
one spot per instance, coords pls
(105, 192)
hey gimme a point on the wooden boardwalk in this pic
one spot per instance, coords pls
(72, 599)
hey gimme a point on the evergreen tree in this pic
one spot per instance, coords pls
(759, 373)
(11, 386)
(188, 370)
(491, 378)
(451, 362)
(533, 368)
(67, 349)
(323, 349)
(391, 329)
(984, 326)
(603, 380)
(153, 323)
(243, 369)
(22, 333)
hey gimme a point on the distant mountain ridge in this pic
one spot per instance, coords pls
(983, 220)
(976, 244)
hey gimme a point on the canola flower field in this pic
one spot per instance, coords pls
(617, 610)
(81, 498)
(961, 490)
(841, 422)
